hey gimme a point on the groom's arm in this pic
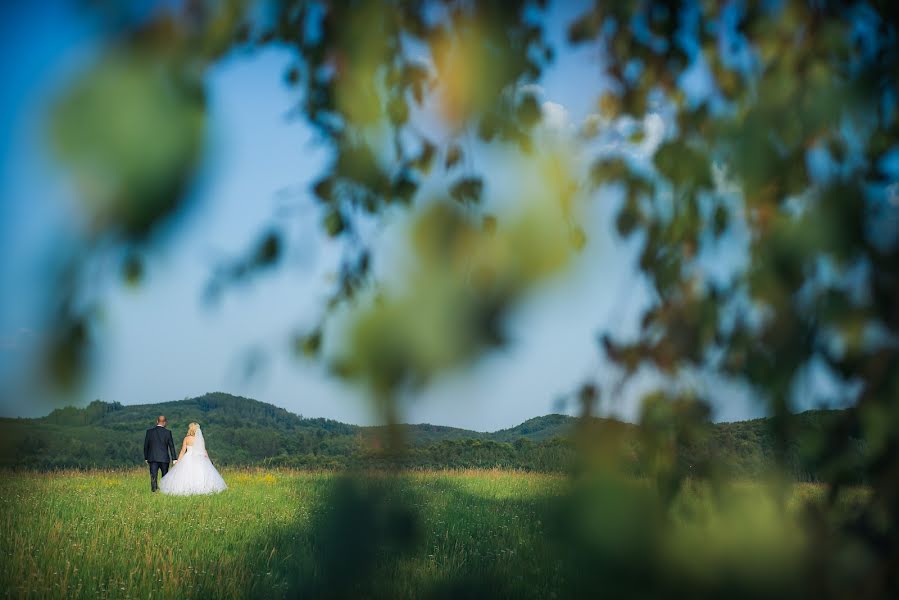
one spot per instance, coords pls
(171, 445)
(147, 446)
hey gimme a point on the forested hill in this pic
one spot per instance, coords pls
(239, 430)
(213, 411)
(220, 410)
(242, 431)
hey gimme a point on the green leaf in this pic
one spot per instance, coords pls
(467, 190)
(683, 166)
(528, 110)
(334, 223)
(453, 156)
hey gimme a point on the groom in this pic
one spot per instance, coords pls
(158, 447)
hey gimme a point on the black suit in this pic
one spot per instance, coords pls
(158, 447)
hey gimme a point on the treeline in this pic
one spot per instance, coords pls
(245, 432)
(553, 455)
(53, 447)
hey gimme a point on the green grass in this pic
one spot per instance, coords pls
(103, 534)
(288, 533)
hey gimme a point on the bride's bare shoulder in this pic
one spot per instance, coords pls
(188, 440)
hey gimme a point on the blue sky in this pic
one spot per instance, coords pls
(160, 342)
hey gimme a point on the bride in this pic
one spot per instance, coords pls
(193, 472)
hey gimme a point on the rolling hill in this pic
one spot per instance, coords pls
(243, 431)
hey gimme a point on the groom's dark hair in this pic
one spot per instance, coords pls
(160, 420)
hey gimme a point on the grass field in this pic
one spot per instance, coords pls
(103, 533)
(277, 533)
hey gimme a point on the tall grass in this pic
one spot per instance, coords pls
(285, 533)
(102, 534)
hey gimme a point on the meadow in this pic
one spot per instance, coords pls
(287, 533)
(102, 534)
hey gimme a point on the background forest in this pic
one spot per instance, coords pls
(246, 432)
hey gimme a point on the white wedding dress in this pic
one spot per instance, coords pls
(194, 473)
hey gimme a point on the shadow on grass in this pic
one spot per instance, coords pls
(389, 536)
(437, 536)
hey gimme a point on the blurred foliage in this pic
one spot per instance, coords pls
(799, 118)
(460, 282)
(821, 283)
(102, 125)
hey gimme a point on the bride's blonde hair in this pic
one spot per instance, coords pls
(192, 428)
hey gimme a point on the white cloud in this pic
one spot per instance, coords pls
(555, 116)
(532, 88)
(654, 129)
(613, 137)
(724, 184)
